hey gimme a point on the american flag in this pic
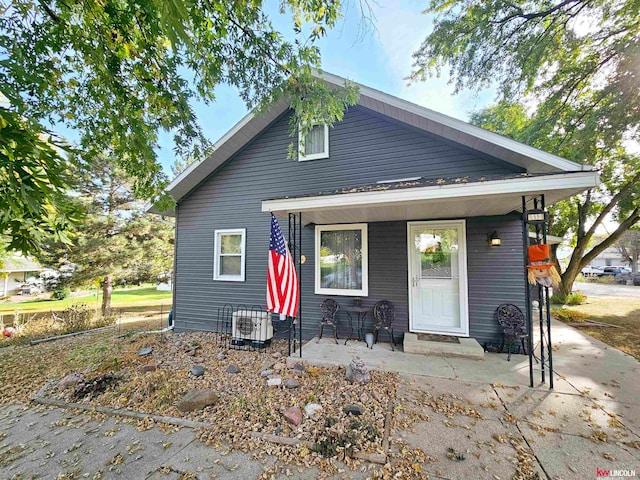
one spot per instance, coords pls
(282, 280)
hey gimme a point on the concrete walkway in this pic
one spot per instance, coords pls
(591, 420)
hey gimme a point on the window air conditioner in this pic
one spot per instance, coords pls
(251, 325)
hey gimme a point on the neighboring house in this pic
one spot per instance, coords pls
(610, 257)
(397, 202)
(17, 271)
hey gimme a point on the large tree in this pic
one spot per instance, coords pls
(120, 72)
(629, 247)
(575, 64)
(116, 243)
(581, 216)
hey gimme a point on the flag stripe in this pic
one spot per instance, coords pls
(282, 280)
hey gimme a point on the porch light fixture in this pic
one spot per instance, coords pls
(494, 239)
(536, 217)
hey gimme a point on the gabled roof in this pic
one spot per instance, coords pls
(18, 263)
(452, 129)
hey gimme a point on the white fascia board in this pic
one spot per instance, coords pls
(225, 138)
(554, 161)
(578, 180)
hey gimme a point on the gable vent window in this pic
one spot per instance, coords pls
(315, 144)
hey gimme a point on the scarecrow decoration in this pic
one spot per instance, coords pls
(541, 270)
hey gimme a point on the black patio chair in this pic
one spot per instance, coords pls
(329, 309)
(514, 326)
(383, 315)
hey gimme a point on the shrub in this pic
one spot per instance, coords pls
(77, 318)
(60, 293)
(568, 315)
(574, 298)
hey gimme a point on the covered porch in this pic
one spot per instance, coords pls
(398, 218)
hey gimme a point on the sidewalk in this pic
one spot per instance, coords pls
(591, 419)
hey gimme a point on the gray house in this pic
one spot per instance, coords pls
(397, 202)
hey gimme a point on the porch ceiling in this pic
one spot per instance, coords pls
(496, 197)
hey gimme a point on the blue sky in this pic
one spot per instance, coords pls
(380, 59)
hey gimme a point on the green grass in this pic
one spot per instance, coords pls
(120, 298)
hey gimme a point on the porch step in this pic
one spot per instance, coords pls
(468, 347)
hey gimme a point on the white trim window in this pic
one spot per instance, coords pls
(315, 144)
(342, 260)
(229, 255)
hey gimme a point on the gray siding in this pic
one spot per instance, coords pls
(364, 148)
(495, 274)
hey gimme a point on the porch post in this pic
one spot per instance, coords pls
(547, 305)
(527, 293)
(300, 282)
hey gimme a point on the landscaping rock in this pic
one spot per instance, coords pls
(233, 369)
(313, 409)
(266, 373)
(143, 352)
(291, 383)
(70, 380)
(291, 363)
(198, 359)
(274, 382)
(197, 370)
(197, 400)
(279, 366)
(357, 372)
(150, 367)
(221, 356)
(293, 415)
(276, 354)
(353, 410)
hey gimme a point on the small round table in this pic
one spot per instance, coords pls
(360, 313)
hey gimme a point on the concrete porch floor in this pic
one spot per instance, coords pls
(571, 347)
(494, 367)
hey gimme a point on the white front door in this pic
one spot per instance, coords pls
(438, 277)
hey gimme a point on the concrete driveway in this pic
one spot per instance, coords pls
(606, 290)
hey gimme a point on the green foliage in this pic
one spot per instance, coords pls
(60, 293)
(34, 179)
(573, 298)
(121, 73)
(581, 56)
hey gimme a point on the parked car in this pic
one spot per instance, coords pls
(590, 271)
(613, 271)
(628, 279)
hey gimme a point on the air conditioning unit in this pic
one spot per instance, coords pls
(253, 326)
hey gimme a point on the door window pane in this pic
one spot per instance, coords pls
(438, 252)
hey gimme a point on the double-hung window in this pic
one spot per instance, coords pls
(342, 260)
(229, 255)
(315, 144)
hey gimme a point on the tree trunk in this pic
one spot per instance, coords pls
(107, 287)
